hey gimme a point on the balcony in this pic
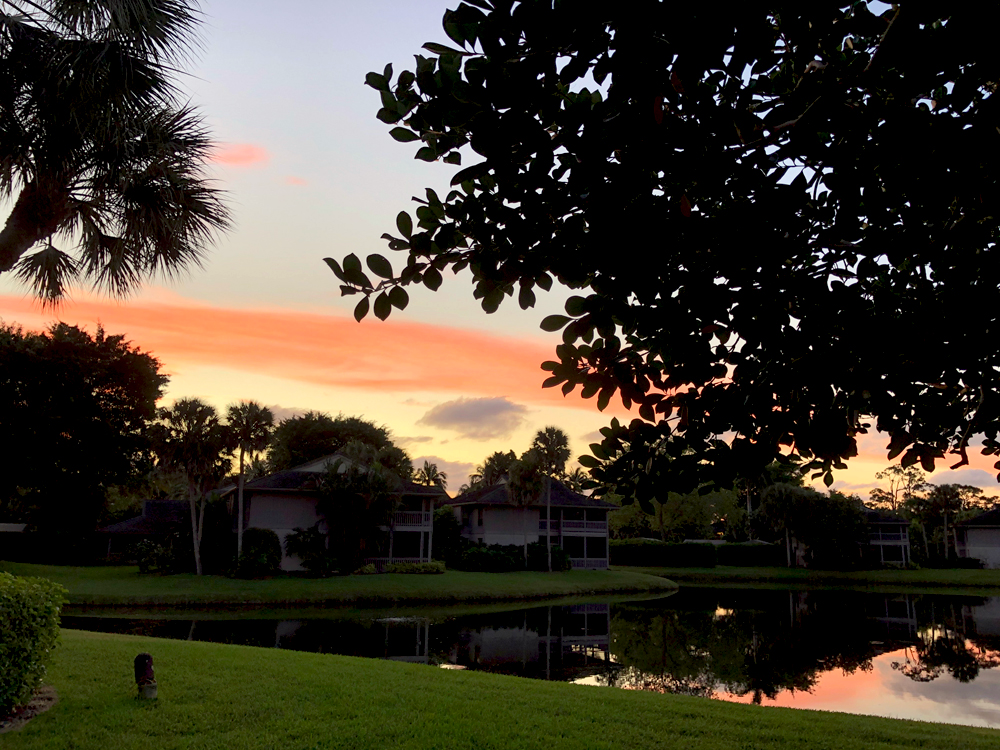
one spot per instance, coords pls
(588, 563)
(877, 537)
(412, 519)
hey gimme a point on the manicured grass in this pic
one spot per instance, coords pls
(984, 582)
(221, 696)
(118, 585)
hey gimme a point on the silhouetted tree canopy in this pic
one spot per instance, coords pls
(761, 211)
(298, 440)
(75, 412)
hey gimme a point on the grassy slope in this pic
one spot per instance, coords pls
(984, 582)
(220, 696)
(116, 585)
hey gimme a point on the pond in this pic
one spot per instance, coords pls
(928, 657)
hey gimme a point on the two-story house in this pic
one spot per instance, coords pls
(287, 500)
(579, 524)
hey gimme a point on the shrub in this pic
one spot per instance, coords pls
(411, 567)
(310, 546)
(752, 555)
(29, 629)
(151, 556)
(506, 558)
(366, 570)
(261, 554)
(654, 553)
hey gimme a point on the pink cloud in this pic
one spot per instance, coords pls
(293, 180)
(395, 356)
(239, 154)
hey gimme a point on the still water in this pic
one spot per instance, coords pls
(928, 657)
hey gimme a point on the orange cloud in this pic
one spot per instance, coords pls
(239, 154)
(293, 180)
(324, 349)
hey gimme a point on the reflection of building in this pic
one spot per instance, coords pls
(549, 642)
(579, 524)
(888, 537)
(288, 500)
(980, 537)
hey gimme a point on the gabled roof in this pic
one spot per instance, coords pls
(987, 519)
(305, 478)
(878, 515)
(562, 497)
(158, 517)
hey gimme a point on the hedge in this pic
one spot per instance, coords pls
(29, 629)
(744, 555)
(418, 568)
(506, 558)
(261, 554)
(656, 554)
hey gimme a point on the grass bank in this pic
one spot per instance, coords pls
(221, 696)
(125, 586)
(976, 582)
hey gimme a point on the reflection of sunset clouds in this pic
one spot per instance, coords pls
(885, 692)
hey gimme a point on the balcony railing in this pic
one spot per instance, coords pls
(412, 518)
(886, 536)
(575, 525)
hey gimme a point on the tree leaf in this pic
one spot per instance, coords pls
(382, 306)
(432, 279)
(399, 298)
(379, 266)
(404, 135)
(426, 154)
(352, 263)
(404, 224)
(361, 310)
(552, 323)
(335, 267)
(440, 49)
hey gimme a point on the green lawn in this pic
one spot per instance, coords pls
(221, 696)
(983, 582)
(125, 586)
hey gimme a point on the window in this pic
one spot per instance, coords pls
(480, 513)
(573, 546)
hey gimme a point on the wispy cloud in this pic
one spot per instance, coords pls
(477, 418)
(239, 155)
(293, 180)
(328, 349)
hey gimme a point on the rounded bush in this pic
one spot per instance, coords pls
(261, 554)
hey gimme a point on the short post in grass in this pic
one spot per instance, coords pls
(144, 678)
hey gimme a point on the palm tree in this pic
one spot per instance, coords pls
(526, 482)
(430, 476)
(251, 426)
(551, 446)
(97, 148)
(190, 440)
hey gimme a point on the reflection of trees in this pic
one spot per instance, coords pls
(945, 645)
(750, 648)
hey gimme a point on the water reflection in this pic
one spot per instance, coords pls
(911, 656)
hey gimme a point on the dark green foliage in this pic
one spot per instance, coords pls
(77, 410)
(151, 557)
(311, 547)
(29, 631)
(313, 435)
(447, 535)
(424, 568)
(652, 553)
(832, 526)
(261, 554)
(795, 177)
(751, 555)
(507, 558)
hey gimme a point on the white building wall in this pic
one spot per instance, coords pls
(504, 525)
(282, 514)
(984, 544)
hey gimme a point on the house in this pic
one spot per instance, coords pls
(888, 538)
(979, 537)
(159, 519)
(287, 500)
(579, 524)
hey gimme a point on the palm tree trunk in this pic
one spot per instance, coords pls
(41, 209)
(548, 520)
(239, 519)
(788, 546)
(195, 536)
(524, 534)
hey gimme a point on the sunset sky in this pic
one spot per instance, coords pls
(310, 172)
